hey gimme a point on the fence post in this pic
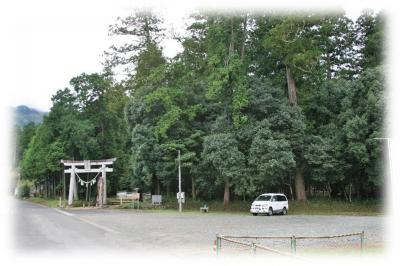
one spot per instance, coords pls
(253, 248)
(362, 241)
(218, 245)
(293, 245)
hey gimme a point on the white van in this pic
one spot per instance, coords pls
(270, 203)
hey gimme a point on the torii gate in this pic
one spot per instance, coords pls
(87, 164)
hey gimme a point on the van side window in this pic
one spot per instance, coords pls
(281, 198)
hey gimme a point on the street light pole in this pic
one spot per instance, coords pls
(179, 178)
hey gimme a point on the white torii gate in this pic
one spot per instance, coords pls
(100, 166)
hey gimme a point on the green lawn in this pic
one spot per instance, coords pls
(54, 203)
(46, 202)
(311, 207)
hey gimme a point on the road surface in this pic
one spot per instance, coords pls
(38, 228)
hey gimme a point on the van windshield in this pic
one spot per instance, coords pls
(263, 198)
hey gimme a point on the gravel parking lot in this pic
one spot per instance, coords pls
(194, 231)
(187, 233)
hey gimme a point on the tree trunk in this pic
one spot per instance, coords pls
(231, 44)
(147, 32)
(54, 186)
(47, 186)
(329, 67)
(299, 185)
(232, 41)
(299, 178)
(351, 185)
(329, 190)
(158, 188)
(193, 188)
(244, 38)
(292, 89)
(168, 187)
(291, 192)
(226, 193)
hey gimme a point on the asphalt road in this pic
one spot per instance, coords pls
(39, 228)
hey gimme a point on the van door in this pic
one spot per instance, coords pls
(281, 202)
(275, 203)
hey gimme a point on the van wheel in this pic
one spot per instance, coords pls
(284, 211)
(270, 211)
(254, 214)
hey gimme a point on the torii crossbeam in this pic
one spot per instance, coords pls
(87, 166)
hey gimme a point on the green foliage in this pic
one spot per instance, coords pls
(24, 136)
(223, 103)
(272, 159)
(24, 189)
(221, 152)
(370, 28)
(145, 28)
(292, 42)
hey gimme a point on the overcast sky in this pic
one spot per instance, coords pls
(49, 42)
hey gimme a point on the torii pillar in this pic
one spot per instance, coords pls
(102, 188)
(101, 184)
(72, 186)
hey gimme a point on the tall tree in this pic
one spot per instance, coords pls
(337, 42)
(370, 34)
(222, 153)
(291, 42)
(144, 31)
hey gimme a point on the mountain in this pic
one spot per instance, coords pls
(23, 115)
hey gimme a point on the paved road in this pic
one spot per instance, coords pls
(39, 228)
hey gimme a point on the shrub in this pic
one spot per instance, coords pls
(24, 189)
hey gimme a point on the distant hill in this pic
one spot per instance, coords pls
(23, 115)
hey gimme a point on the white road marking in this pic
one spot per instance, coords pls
(99, 226)
(65, 213)
(89, 222)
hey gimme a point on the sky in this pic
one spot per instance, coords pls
(49, 42)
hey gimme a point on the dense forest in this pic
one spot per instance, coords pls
(254, 102)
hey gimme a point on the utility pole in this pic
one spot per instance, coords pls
(179, 178)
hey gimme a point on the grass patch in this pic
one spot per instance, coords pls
(310, 207)
(336, 207)
(52, 203)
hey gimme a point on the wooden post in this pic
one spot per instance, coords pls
(64, 190)
(362, 238)
(103, 173)
(293, 245)
(71, 186)
(218, 245)
(75, 188)
(100, 190)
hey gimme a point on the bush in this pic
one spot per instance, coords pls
(24, 189)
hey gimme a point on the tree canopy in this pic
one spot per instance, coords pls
(254, 102)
